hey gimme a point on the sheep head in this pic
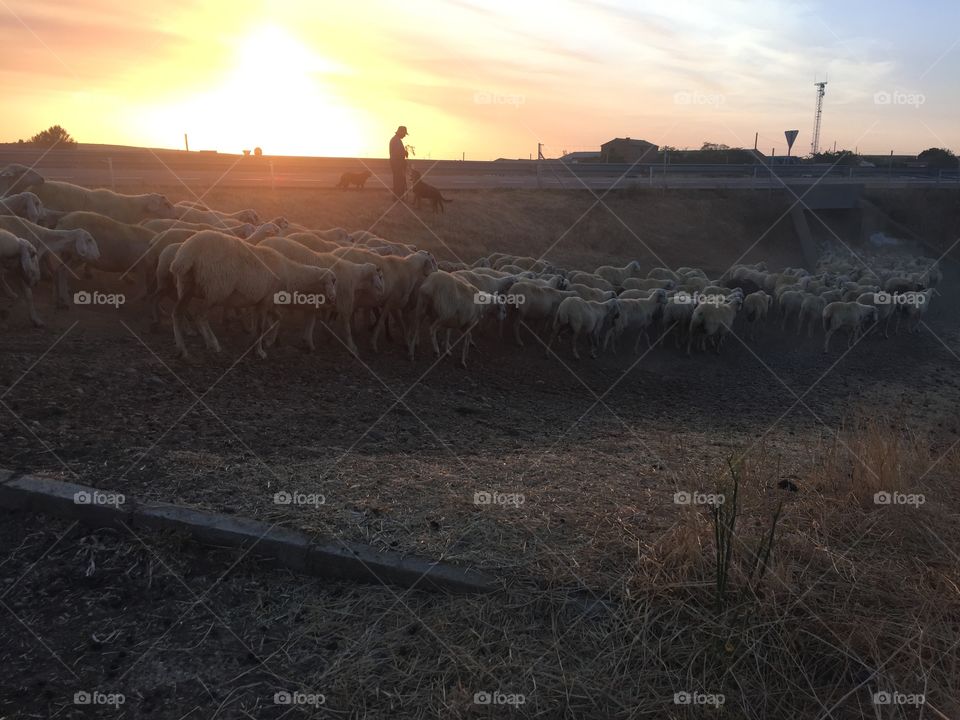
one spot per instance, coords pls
(85, 245)
(15, 178)
(159, 206)
(29, 262)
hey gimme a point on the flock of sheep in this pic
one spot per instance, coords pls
(261, 274)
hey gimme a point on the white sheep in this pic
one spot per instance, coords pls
(811, 310)
(401, 280)
(756, 307)
(447, 301)
(16, 178)
(124, 248)
(636, 315)
(19, 258)
(590, 293)
(790, 302)
(590, 280)
(537, 305)
(713, 321)
(850, 316)
(634, 283)
(57, 250)
(160, 224)
(220, 270)
(25, 204)
(355, 282)
(584, 317)
(616, 275)
(130, 209)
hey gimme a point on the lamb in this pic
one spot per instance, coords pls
(756, 307)
(589, 293)
(354, 281)
(449, 302)
(123, 248)
(57, 250)
(20, 257)
(590, 280)
(713, 321)
(15, 178)
(902, 284)
(268, 229)
(811, 310)
(539, 305)
(584, 317)
(24, 204)
(129, 209)
(219, 269)
(616, 275)
(401, 280)
(915, 306)
(850, 316)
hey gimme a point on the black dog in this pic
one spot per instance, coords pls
(422, 190)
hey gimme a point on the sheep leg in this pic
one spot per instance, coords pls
(467, 340)
(826, 342)
(378, 328)
(516, 330)
(308, 330)
(6, 288)
(203, 325)
(575, 334)
(448, 349)
(179, 310)
(28, 298)
(433, 337)
(261, 318)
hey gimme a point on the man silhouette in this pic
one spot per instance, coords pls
(398, 162)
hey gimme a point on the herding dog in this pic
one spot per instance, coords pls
(355, 178)
(422, 190)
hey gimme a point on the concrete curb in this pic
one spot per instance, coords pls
(288, 548)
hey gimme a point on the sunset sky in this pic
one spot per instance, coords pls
(489, 78)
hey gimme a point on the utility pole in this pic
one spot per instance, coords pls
(756, 137)
(539, 164)
(186, 142)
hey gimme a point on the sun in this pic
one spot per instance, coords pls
(279, 94)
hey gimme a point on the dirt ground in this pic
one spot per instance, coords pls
(596, 449)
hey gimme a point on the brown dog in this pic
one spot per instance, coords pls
(354, 178)
(422, 190)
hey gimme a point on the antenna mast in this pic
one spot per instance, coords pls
(815, 143)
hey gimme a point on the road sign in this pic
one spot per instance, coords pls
(791, 135)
